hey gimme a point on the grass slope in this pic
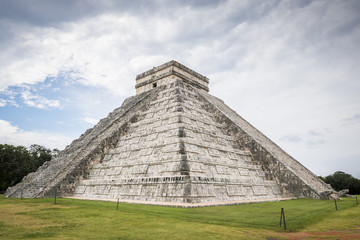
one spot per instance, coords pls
(80, 219)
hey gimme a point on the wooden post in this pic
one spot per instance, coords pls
(282, 217)
(55, 198)
(335, 204)
(117, 205)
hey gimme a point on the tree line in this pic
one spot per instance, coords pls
(340, 181)
(17, 161)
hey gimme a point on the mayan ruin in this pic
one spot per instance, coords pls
(173, 143)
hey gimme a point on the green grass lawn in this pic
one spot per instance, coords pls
(80, 219)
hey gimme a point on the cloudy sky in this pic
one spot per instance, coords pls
(291, 68)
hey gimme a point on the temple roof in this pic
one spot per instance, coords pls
(161, 75)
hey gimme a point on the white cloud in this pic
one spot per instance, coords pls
(355, 119)
(11, 134)
(94, 51)
(90, 120)
(3, 103)
(291, 138)
(39, 101)
(8, 98)
(29, 96)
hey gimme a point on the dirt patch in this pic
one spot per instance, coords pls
(343, 235)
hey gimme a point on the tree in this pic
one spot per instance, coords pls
(340, 180)
(55, 152)
(39, 155)
(15, 162)
(322, 178)
(18, 161)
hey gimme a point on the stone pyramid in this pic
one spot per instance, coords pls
(173, 142)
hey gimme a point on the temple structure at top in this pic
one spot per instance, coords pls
(165, 73)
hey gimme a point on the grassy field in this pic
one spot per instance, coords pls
(80, 219)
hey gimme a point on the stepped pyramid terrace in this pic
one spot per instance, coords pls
(173, 143)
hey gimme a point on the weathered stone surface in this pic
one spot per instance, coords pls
(344, 193)
(74, 162)
(173, 142)
(163, 75)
